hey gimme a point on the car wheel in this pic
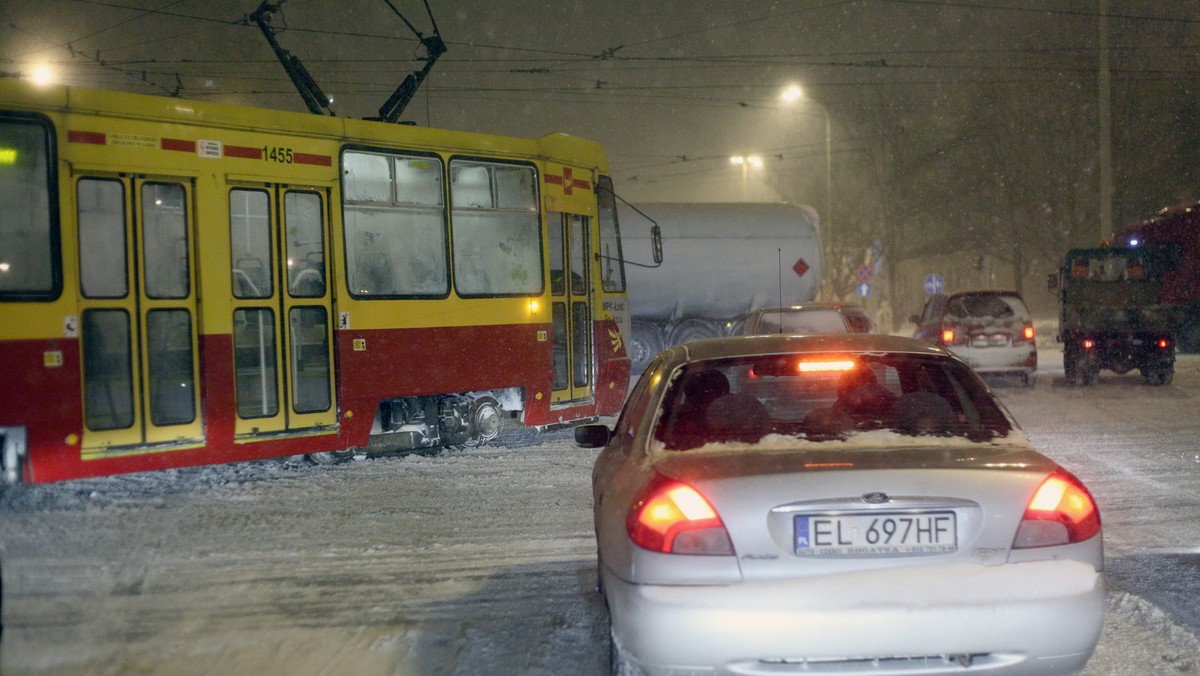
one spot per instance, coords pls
(645, 342)
(1159, 376)
(618, 662)
(1070, 368)
(1088, 373)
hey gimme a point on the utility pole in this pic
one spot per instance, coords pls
(1104, 109)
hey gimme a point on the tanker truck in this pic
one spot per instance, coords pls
(721, 261)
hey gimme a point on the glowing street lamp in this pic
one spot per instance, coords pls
(747, 162)
(42, 75)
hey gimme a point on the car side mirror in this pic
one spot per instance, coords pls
(592, 436)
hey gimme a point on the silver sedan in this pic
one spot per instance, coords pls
(843, 504)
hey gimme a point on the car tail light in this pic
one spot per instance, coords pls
(947, 336)
(1027, 333)
(1060, 512)
(674, 518)
(1163, 343)
(1088, 343)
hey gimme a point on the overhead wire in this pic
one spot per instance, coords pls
(578, 61)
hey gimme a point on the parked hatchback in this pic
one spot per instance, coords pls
(991, 330)
(809, 318)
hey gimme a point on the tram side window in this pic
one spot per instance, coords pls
(107, 370)
(101, 214)
(172, 379)
(28, 229)
(250, 242)
(612, 268)
(305, 253)
(395, 225)
(496, 229)
(166, 246)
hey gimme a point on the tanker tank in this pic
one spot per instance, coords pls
(721, 261)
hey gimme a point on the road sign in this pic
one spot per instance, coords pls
(864, 290)
(865, 274)
(934, 284)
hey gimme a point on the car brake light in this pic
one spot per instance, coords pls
(674, 518)
(1164, 343)
(947, 336)
(1060, 512)
(838, 365)
(1028, 333)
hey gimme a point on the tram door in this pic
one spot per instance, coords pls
(282, 333)
(570, 306)
(137, 323)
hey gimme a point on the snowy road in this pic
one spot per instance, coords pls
(482, 561)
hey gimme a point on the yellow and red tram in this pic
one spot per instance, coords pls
(186, 283)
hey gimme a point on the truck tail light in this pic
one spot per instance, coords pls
(1061, 512)
(674, 518)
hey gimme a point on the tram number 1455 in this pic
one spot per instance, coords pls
(277, 154)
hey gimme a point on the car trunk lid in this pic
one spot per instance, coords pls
(803, 513)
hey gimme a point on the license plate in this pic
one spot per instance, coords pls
(993, 340)
(876, 534)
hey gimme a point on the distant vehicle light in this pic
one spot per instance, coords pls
(1164, 343)
(1088, 343)
(947, 336)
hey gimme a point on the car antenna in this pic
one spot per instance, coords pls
(779, 267)
(314, 98)
(393, 108)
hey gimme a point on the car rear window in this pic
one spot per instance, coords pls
(826, 397)
(987, 306)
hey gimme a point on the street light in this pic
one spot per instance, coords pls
(790, 95)
(42, 75)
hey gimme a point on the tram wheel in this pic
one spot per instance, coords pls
(329, 457)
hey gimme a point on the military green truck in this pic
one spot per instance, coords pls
(1111, 316)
